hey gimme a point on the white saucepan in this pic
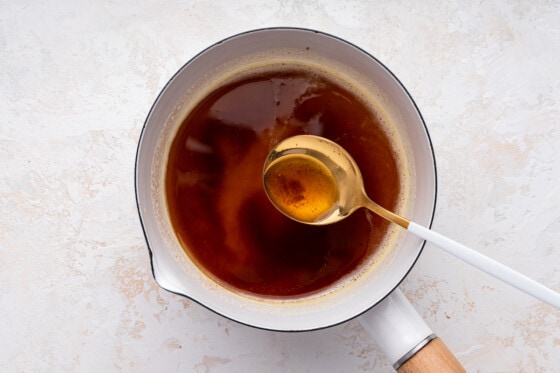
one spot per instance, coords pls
(374, 296)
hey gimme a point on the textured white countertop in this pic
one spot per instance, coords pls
(77, 79)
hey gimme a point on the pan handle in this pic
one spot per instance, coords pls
(405, 338)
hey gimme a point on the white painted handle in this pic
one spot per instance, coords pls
(488, 265)
(396, 328)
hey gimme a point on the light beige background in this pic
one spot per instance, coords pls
(77, 79)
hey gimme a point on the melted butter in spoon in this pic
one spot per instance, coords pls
(301, 187)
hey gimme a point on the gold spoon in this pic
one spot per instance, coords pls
(315, 181)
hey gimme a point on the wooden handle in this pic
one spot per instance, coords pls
(434, 357)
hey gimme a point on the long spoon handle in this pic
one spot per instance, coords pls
(488, 265)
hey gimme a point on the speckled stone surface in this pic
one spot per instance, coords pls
(77, 79)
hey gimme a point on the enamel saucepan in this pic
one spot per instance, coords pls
(373, 297)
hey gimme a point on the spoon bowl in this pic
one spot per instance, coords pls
(306, 153)
(341, 168)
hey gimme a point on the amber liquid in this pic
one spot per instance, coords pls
(215, 196)
(301, 187)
